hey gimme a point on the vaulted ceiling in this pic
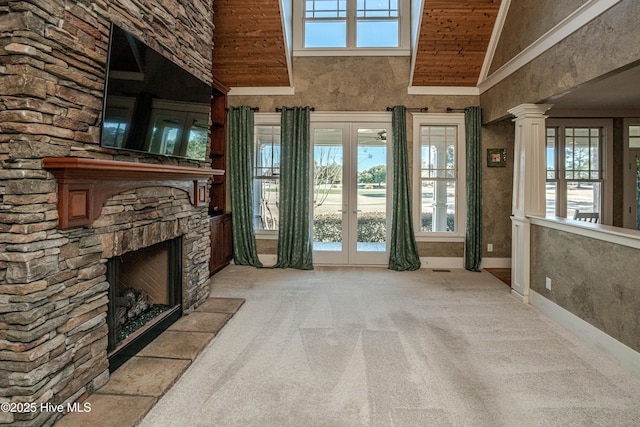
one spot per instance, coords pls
(249, 44)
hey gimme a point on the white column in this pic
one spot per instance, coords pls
(529, 176)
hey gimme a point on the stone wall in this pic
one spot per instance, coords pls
(53, 289)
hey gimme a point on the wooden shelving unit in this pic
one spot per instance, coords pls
(218, 148)
(220, 216)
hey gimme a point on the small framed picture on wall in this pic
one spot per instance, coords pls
(496, 157)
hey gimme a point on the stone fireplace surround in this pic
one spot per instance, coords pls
(53, 287)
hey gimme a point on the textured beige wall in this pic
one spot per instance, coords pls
(362, 83)
(373, 84)
(526, 21)
(606, 44)
(595, 280)
(497, 188)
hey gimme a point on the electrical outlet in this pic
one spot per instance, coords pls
(490, 247)
(547, 283)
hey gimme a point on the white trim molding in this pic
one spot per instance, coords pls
(269, 260)
(353, 52)
(579, 18)
(441, 262)
(286, 12)
(458, 262)
(495, 38)
(443, 90)
(261, 91)
(529, 172)
(623, 355)
(607, 233)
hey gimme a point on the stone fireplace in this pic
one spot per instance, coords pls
(58, 231)
(145, 297)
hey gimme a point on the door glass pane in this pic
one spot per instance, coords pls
(328, 205)
(371, 205)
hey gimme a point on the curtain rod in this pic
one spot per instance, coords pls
(251, 108)
(449, 109)
(279, 109)
(413, 108)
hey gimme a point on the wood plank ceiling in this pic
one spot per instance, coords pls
(249, 47)
(248, 43)
(454, 36)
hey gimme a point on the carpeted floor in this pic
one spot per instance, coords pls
(372, 347)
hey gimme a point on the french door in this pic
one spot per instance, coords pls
(351, 194)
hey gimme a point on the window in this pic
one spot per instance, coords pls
(266, 177)
(575, 155)
(351, 24)
(439, 183)
(325, 23)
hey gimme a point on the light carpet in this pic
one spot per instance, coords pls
(373, 347)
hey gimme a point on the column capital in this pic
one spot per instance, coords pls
(530, 111)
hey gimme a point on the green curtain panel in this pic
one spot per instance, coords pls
(473, 235)
(240, 137)
(403, 251)
(294, 230)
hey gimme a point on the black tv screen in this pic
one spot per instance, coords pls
(151, 104)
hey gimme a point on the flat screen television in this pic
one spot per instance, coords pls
(152, 105)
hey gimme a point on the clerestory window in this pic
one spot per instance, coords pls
(352, 25)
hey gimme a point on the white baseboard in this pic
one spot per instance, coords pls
(623, 355)
(269, 260)
(455, 262)
(441, 262)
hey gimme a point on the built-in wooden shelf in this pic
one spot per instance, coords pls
(84, 185)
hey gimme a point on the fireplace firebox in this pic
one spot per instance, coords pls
(144, 297)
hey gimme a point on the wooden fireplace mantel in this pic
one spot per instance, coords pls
(84, 185)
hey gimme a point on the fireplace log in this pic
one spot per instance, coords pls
(121, 316)
(123, 302)
(140, 305)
